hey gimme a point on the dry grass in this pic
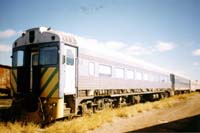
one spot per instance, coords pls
(87, 123)
(82, 124)
(2, 94)
(18, 128)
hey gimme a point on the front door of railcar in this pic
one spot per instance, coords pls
(34, 73)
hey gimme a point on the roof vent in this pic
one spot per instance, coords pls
(15, 44)
(23, 34)
(49, 28)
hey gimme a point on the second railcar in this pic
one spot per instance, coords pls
(195, 85)
(180, 84)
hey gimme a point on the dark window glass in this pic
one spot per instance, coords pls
(18, 58)
(35, 60)
(70, 57)
(49, 56)
(31, 36)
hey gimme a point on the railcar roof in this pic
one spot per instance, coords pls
(43, 35)
(125, 60)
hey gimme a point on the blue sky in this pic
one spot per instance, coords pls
(161, 32)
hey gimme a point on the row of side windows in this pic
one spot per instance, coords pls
(106, 70)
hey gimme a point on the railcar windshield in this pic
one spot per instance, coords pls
(49, 55)
(18, 58)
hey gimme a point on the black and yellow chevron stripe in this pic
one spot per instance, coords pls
(49, 82)
(14, 80)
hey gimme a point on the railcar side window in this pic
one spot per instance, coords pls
(150, 77)
(49, 56)
(163, 79)
(91, 68)
(166, 79)
(119, 73)
(105, 70)
(18, 58)
(157, 78)
(129, 74)
(70, 57)
(145, 76)
(138, 75)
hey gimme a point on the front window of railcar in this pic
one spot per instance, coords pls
(18, 58)
(49, 56)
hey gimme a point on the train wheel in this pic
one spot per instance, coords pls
(161, 95)
(137, 99)
(100, 104)
(87, 108)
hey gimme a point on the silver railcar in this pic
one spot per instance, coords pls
(51, 77)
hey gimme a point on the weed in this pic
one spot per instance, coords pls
(87, 123)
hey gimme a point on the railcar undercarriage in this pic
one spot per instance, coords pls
(90, 102)
(43, 109)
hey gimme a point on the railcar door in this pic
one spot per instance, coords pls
(70, 70)
(34, 73)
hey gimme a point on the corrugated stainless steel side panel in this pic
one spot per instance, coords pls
(92, 83)
(96, 81)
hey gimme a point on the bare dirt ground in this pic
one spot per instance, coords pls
(183, 109)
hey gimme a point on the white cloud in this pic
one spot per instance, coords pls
(114, 45)
(196, 52)
(137, 48)
(7, 33)
(5, 48)
(164, 46)
(195, 64)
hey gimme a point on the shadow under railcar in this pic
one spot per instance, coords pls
(190, 124)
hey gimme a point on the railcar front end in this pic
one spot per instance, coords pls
(41, 80)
